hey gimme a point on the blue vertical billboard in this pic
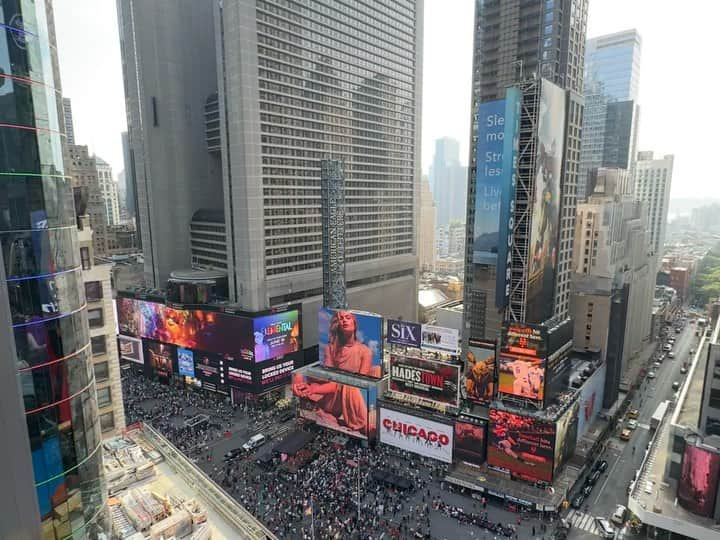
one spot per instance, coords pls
(495, 180)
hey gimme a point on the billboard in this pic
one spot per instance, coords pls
(566, 435)
(522, 376)
(160, 358)
(404, 333)
(544, 235)
(426, 379)
(591, 400)
(208, 370)
(276, 373)
(418, 435)
(351, 341)
(524, 339)
(495, 179)
(521, 445)
(186, 362)
(438, 338)
(699, 478)
(276, 335)
(344, 408)
(238, 377)
(471, 443)
(131, 349)
(480, 372)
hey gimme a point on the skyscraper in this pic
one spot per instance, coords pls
(275, 90)
(68, 119)
(511, 48)
(426, 238)
(448, 181)
(108, 190)
(610, 122)
(43, 276)
(653, 179)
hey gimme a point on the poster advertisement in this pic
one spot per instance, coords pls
(276, 335)
(159, 358)
(208, 369)
(591, 399)
(351, 341)
(186, 362)
(544, 232)
(566, 437)
(426, 379)
(418, 435)
(341, 407)
(525, 339)
(480, 372)
(131, 349)
(403, 333)
(699, 478)
(438, 338)
(522, 445)
(522, 376)
(470, 443)
(277, 372)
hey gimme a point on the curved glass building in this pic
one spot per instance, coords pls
(38, 238)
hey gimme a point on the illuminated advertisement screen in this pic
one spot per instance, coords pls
(525, 340)
(209, 370)
(160, 358)
(470, 443)
(480, 372)
(521, 445)
(426, 379)
(546, 203)
(439, 338)
(238, 377)
(566, 435)
(186, 362)
(277, 373)
(276, 335)
(698, 484)
(191, 329)
(404, 333)
(341, 407)
(131, 349)
(522, 376)
(351, 341)
(418, 435)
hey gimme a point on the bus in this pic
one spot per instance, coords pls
(659, 414)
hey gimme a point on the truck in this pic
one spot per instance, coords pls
(659, 414)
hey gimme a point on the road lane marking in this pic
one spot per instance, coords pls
(607, 477)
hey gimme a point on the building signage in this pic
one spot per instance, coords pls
(525, 340)
(426, 379)
(418, 435)
(403, 333)
(439, 338)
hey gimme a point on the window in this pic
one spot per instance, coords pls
(548, 29)
(98, 345)
(107, 422)
(85, 258)
(101, 371)
(714, 398)
(93, 291)
(95, 318)
(103, 397)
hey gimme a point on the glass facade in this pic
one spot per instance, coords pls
(38, 238)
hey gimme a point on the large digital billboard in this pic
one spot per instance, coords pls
(698, 486)
(480, 372)
(544, 225)
(276, 373)
(524, 339)
(471, 443)
(495, 179)
(414, 434)
(426, 379)
(209, 370)
(186, 362)
(160, 358)
(521, 445)
(131, 349)
(566, 435)
(351, 341)
(276, 335)
(439, 338)
(348, 409)
(404, 333)
(522, 376)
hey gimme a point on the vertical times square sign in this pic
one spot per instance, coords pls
(332, 190)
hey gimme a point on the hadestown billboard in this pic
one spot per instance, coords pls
(417, 435)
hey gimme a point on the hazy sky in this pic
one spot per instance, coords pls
(677, 78)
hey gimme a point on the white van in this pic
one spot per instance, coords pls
(606, 530)
(618, 517)
(254, 442)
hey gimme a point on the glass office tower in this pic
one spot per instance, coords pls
(38, 238)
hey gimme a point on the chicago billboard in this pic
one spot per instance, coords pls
(566, 435)
(497, 151)
(698, 486)
(544, 226)
(471, 443)
(418, 435)
(131, 349)
(522, 376)
(438, 338)
(404, 333)
(426, 379)
(521, 445)
(351, 341)
(341, 407)
(480, 371)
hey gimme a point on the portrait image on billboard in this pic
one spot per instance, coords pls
(522, 445)
(160, 358)
(351, 341)
(480, 372)
(522, 376)
(336, 406)
(566, 435)
(426, 379)
(439, 338)
(471, 443)
(130, 349)
(186, 362)
(544, 227)
(415, 434)
(698, 486)
(276, 335)
(404, 333)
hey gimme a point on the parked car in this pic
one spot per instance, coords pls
(657, 364)
(618, 516)
(606, 530)
(593, 478)
(587, 490)
(676, 385)
(671, 354)
(603, 466)
(651, 375)
(578, 501)
(683, 370)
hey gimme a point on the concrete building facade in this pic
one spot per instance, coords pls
(653, 180)
(109, 191)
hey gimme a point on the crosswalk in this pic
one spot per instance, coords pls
(581, 520)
